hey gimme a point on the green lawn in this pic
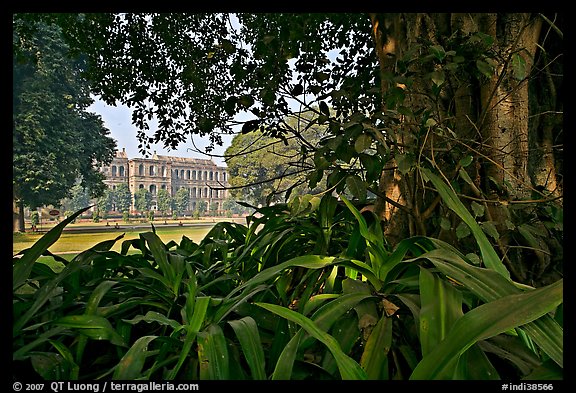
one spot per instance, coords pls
(71, 242)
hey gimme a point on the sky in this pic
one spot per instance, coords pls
(118, 120)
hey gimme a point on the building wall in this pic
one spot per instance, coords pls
(198, 176)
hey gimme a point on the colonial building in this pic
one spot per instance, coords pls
(202, 178)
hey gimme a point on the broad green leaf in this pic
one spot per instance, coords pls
(247, 332)
(357, 187)
(23, 266)
(489, 255)
(213, 354)
(23, 352)
(131, 364)
(485, 69)
(329, 313)
(374, 359)
(441, 306)
(197, 319)
(486, 321)
(158, 250)
(97, 295)
(68, 357)
(349, 369)
(317, 300)
(92, 326)
(489, 286)
(153, 316)
(45, 292)
(285, 363)
(363, 142)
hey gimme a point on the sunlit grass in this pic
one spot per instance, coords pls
(71, 242)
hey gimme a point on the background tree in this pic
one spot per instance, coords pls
(55, 140)
(233, 207)
(263, 169)
(142, 200)
(466, 96)
(202, 207)
(181, 201)
(164, 201)
(122, 198)
(105, 202)
(79, 199)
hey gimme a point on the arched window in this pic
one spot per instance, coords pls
(113, 188)
(163, 171)
(223, 176)
(216, 176)
(188, 174)
(163, 186)
(193, 175)
(113, 170)
(205, 175)
(152, 189)
(193, 192)
(121, 171)
(176, 173)
(152, 170)
(205, 192)
(181, 173)
(141, 186)
(141, 170)
(211, 175)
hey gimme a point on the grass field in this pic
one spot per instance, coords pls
(71, 242)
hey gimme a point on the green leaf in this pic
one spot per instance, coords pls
(438, 78)
(285, 363)
(213, 354)
(405, 162)
(489, 285)
(489, 228)
(247, 332)
(485, 321)
(466, 161)
(445, 224)
(153, 316)
(131, 364)
(485, 68)
(441, 306)
(363, 142)
(477, 208)
(357, 187)
(489, 256)
(23, 266)
(92, 326)
(462, 230)
(349, 369)
(518, 66)
(324, 108)
(374, 359)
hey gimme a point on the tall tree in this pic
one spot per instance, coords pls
(142, 200)
(55, 139)
(164, 201)
(463, 95)
(263, 169)
(122, 198)
(181, 201)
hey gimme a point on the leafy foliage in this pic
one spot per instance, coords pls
(55, 140)
(307, 290)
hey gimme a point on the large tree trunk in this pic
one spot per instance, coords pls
(514, 156)
(18, 224)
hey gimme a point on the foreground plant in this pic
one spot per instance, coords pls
(307, 290)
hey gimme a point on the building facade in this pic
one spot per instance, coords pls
(202, 178)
